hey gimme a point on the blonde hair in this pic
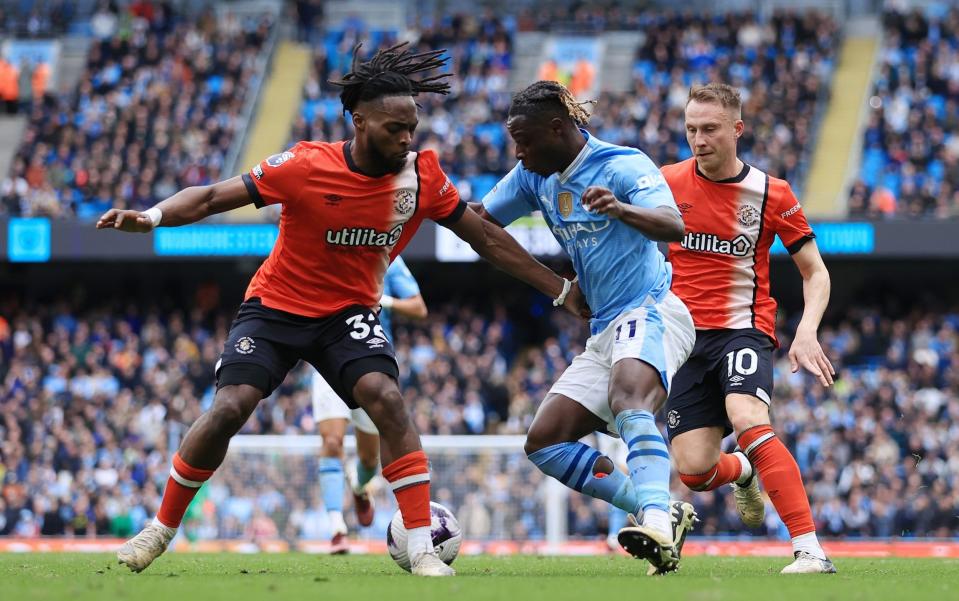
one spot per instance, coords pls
(717, 93)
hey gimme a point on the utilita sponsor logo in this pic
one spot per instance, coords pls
(711, 243)
(364, 236)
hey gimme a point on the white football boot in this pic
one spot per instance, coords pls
(749, 500)
(430, 564)
(683, 518)
(644, 542)
(140, 551)
(806, 563)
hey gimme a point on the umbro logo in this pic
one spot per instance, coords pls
(737, 380)
(684, 207)
(376, 342)
(332, 199)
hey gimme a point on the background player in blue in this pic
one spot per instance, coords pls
(401, 294)
(607, 205)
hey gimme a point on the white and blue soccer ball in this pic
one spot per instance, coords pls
(447, 536)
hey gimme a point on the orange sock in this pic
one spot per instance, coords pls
(780, 476)
(729, 469)
(181, 487)
(409, 476)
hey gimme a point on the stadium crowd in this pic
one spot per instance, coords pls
(161, 99)
(783, 66)
(910, 165)
(156, 110)
(93, 401)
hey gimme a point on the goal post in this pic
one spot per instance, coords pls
(270, 482)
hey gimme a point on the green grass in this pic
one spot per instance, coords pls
(298, 577)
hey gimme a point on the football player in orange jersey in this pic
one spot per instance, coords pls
(349, 208)
(732, 212)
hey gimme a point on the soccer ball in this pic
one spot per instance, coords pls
(446, 532)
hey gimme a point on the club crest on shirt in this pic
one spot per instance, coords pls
(564, 203)
(278, 159)
(404, 202)
(747, 215)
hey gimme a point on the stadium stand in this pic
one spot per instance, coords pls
(910, 164)
(783, 66)
(156, 111)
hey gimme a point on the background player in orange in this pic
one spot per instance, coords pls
(349, 208)
(732, 213)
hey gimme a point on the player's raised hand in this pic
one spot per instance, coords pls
(125, 220)
(806, 352)
(603, 201)
(575, 302)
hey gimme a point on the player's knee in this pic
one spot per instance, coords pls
(538, 438)
(693, 462)
(228, 414)
(385, 407)
(636, 393)
(746, 415)
(332, 445)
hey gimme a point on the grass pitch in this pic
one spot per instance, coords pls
(193, 577)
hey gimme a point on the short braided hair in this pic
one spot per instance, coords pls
(550, 94)
(388, 74)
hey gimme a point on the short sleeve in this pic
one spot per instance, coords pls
(787, 219)
(400, 282)
(279, 178)
(636, 179)
(439, 199)
(511, 198)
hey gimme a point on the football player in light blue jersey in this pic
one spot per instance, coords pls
(401, 294)
(607, 205)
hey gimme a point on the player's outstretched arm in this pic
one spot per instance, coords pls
(494, 244)
(806, 351)
(413, 307)
(186, 206)
(662, 224)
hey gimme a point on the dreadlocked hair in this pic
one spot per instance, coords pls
(388, 74)
(544, 95)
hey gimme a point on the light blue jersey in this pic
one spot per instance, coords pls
(618, 267)
(398, 283)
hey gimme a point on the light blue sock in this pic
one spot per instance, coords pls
(363, 475)
(617, 519)
(648, 458)
(572, 464)
(332, 483)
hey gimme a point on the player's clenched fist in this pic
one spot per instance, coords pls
(601, 200)
(125, 220)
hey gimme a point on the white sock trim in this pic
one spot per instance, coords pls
(409, 481)
(809, 543)
(157, 522)
(747, 467)
(183, 481)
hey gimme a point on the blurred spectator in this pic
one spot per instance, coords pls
(93, 401)
(910, 162)
(156, 110)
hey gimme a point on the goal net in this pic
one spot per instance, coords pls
(268, 488)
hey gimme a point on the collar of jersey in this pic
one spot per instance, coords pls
(585, 152)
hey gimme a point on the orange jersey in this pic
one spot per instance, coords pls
(721, 267)
(340, 228)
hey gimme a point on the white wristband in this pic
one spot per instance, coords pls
(387, 301)
(567, 286)
(155, 215)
